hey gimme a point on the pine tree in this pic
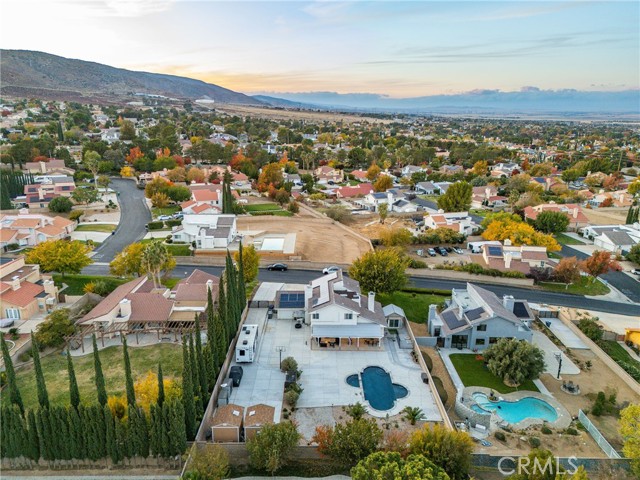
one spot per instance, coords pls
(131, 393)
(74, 392)
(33, 449)
(202, 364)
(14, 393)
(160, 386)
(110, 428)
(100, 385)
(187, 393)
(43, 396)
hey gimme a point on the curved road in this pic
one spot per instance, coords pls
(532, 295)
(134, 215)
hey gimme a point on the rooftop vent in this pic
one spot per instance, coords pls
(252, 413)
(236, 413)
(244, 342)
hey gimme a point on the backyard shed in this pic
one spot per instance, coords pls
(226, 423)
(256, 417)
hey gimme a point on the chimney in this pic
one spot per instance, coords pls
(507, 242)
(432, 313)
(508, 302)
(49, 287)
(308, 293)
(209, 285)
(372, 301)
(507, 260)
(125, 307)
(390, 199)
(575, 212)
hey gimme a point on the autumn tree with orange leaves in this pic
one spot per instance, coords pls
(134, 154)
(599, 263)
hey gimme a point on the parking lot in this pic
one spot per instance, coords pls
(324, 372)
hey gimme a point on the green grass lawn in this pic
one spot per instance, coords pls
(98, 227)
(170, 210)
(143, 360)
(179, 250)
(76, 283)
(585, 286)
(262, 207)
(567, 240)
(415, 305)
(472, 372)
(170, 282)
(621, 357)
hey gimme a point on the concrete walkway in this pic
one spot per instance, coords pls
(565, 334)
(455, 378)
(550, 350)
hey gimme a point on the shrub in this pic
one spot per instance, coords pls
(546, 430)
(289, 364)
(209, 462)
(500, 436)
(75, 215)
(155, 225)
(173, 223)
(339, 214)
(60, 205)
(571, 431)
(413, 263)
(534, 442)
(291, 397)
(442, 392)
(427, 360)
(12, 246)
(13, 333)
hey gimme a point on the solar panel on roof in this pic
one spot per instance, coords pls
(495, 250)
(475, 313)
(520, 310)
(291, 300)
(451, 320)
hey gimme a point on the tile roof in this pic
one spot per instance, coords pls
(194, 293)
(113, 299)
(23, 296)
(25, 223)
(198, 276)
(205, 195)
(7, 235)
(50, 230)
(149, 307)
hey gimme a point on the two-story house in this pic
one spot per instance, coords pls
(328, 175)
(207, 231)
(24, 291)
(30, 229)
(476, 318)
(504, 170)
(459, 222)
(340, 316)
(487, 197)
(573, 211)
(38, 195)
(509, 257)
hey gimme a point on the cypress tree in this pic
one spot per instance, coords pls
(222, 304)
(131, 393)
(629, 218)
(110, 435)
(241, 284)
(187, 393)
(160, 400)
(154, 439)
(195, 376)
(210, 348)
(60, 133)
(76, 450)
(178, 434)
(221, 341)
(133, 438)
(43, 396)
(14, 393)
(202, 365)
(33, 449)
(120, 440)
(61, 432)
(74, 392)
(82, 433)
(100, 385)
(101, 431)
(44, 433)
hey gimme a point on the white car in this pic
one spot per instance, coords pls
(331, 269)
(458, 250)
(165, 217)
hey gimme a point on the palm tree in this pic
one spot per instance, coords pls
(413, 414)
(154, 257)
(356, 411)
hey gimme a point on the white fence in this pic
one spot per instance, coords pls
(597, 436)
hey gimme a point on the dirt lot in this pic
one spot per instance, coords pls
(606, 216)
(317, 239)
(274, 114)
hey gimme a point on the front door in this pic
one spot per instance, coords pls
(459, 341)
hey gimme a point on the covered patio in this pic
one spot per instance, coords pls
(364, 336)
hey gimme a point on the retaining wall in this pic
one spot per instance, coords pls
(475, 418)
(468, 277)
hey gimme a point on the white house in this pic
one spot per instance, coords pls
(613, 238)
(476, 318)
(340, 316)
(206, 230)
(459, 222)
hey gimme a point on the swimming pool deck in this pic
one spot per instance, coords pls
(325, 371)
(563, 420)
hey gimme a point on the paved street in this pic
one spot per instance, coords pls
(533, 295)
(134, 216)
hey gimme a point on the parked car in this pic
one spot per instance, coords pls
(178, 216)
(330, 269)
(636, 271)
(165, 217)
(235, 374)
(458, 250)
(442, 251)
(448, 249)
(431, 252)
(282, 267)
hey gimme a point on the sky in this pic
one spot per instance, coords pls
(400, 49)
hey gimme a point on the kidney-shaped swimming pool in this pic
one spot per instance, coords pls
(378, 389)
(516, 411)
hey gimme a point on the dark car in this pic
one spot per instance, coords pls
(442, 251)
(448, 249)
(278, 266)
(235, 374)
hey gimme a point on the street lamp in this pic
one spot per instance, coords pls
(280, 349)
(558, 356)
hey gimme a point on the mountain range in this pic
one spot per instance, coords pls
(38, 74)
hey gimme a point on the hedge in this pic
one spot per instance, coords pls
(155, 225)
(173, 223)
(427, 360)
(444, 396)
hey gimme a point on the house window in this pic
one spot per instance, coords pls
(482, 328)
(480, 341)
(493, 340)
(394, 323)
(315, 316)
(348, 316)
(242, 353)
(13, 313)
(436, 332)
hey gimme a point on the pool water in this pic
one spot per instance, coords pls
(514, 412)
(378, 389)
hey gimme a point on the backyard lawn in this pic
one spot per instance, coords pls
(76, 283)
(96, 227)
(143, 360)
(567, 240)
(472, 372)
(170, 210)
(415, 305)
(584, 286)
(261, 207)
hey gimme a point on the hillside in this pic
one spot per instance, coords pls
(44, 75)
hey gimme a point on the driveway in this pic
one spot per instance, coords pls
(550, 362)
(134, 215)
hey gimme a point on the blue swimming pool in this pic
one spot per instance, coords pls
(514, 412)
(378, 389)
